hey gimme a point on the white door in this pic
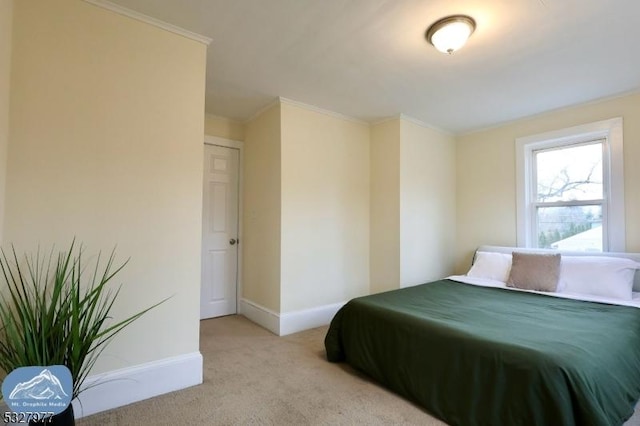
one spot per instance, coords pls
(219, 232)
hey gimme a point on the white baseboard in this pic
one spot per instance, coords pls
(293, 322)
(128, 385)
(288, 322)
(260, 315)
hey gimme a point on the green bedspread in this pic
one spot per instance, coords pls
(485, 356)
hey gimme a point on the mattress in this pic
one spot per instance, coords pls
(479, 355)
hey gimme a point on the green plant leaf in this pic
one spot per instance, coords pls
(52, 311)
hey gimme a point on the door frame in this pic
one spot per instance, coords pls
(239, 145)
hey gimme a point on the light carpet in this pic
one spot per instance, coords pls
(252, 377)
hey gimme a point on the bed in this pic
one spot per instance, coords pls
(474, 352)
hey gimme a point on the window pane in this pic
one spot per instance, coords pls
(576, 228)
(572, 173)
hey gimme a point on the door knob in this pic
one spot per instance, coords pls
(233, 241)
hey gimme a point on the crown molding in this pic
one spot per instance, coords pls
(413, 121)
(385, 120)
(549, 112)
(424, 124)
(319, 110)
(259, 112)
(286, 101)
(121, 10)
(221, 117)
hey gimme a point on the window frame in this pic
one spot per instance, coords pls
(613, 223)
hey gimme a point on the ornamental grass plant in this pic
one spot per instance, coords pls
(56, 310)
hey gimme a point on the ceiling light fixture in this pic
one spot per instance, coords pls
(451, 33)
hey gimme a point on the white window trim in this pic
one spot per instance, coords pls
(611, 131)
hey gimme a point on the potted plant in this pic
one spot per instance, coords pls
(56, 311)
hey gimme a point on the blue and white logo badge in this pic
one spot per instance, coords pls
(38, 389)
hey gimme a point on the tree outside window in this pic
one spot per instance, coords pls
(569, 197)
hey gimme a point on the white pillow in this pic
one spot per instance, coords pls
(610, 277)
(491, 266)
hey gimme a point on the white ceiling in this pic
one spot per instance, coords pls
(368, 59)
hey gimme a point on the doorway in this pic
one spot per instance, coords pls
(220, 228)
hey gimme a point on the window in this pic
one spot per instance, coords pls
(570, 188)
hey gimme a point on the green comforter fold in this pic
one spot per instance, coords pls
(484, 356)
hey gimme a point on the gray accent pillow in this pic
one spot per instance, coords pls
(534, 271)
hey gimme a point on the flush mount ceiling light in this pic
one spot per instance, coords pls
(451, 33)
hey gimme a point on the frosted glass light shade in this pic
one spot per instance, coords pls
(451, 33)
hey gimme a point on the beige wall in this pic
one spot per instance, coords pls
(325, 209)
(6, 20)
(262, 210)
(427, 204)
(223, 127)
(486, 192)
(413, 204)
(385, 206)
(106, 146)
